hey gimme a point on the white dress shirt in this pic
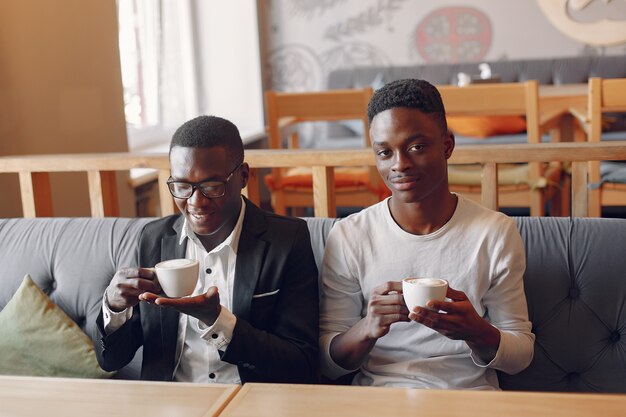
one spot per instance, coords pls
(198, 345)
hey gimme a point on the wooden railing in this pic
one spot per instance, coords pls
(100, 168)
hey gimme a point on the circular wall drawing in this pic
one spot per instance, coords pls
(603, 32)
(294, 68)
(453, 34)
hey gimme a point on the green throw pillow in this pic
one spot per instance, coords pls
(37, 338)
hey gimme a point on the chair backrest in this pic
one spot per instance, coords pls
(331, 105)
(511, 99)
(605, 95)
(284, 109)
(502, 99)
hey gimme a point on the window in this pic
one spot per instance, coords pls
(183, 58)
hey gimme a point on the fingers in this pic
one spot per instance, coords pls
(148, 297)
(212, 292)
(388, 287)
(147, 273)
(455, 295)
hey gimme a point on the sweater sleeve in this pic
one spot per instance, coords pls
(341, 300)
(505, 303)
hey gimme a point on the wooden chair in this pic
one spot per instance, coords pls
(355, 186)
(520, 185)
(605, 95)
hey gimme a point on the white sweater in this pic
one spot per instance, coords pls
(478, 251)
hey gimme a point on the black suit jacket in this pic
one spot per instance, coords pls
(275, 338)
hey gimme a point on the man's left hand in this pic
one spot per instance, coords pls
(458, 320)
(205, 307)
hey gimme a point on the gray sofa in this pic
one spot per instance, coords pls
(575, 284)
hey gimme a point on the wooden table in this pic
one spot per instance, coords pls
(275, 400)
(66, 397)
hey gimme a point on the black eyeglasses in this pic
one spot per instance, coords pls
(209, 189)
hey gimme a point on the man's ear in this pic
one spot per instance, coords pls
(449, 144)
(245, 174)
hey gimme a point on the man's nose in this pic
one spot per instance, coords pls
(400, 162)
(197, 198)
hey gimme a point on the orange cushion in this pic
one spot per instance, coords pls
(344, 177)
(484, 126)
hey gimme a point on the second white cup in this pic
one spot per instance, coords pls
(418, 291)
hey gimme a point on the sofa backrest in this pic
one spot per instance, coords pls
(575, 285)
(70, 259)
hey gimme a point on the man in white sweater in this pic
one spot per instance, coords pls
(422, 230)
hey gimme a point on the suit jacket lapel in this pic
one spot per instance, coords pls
(170, 249)
(250, 256)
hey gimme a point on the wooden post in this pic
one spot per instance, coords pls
(103, 193)
(579, 189)
(324, 203)
(489, 186)
(36, 194)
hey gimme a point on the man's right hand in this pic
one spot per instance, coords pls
(385, 307)
(126, 286)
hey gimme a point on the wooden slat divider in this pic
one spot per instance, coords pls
(33, 170)
(103, 197)
(489, 185)
(28, 195)
(36, 194)
(579, 189)
(95, 194)
(324, 191)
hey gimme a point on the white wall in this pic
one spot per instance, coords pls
(307, 39)
(230, 62)
(60, 92)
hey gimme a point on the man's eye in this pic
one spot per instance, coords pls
(382, 152)
(416, 147)
(209, 187)
(181, 186)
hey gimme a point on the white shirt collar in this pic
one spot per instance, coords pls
(232, 241)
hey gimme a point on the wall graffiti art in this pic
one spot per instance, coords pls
(453, 34)
(363, 22)
(310, 8)
(594, 22)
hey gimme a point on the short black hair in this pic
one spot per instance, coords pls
(409, 92)
(209, 131)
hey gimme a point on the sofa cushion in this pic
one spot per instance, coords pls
(37, 338)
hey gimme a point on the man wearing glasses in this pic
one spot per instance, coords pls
(253, 315)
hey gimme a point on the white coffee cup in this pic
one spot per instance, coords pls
(419, 291)
(178, 277)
